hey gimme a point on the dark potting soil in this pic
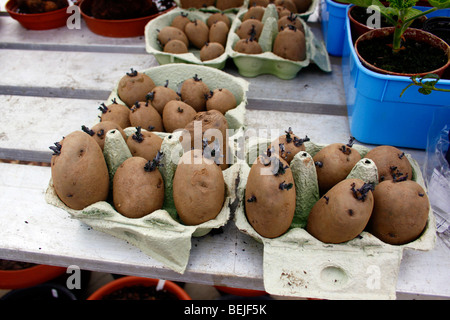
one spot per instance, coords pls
(416, 57)
(14, 265)
(139, 292)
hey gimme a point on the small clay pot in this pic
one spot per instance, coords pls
(38, 21)
(130, 281)
(415, 34)
(42, 292)
(439, 26)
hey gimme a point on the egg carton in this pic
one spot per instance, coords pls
(248, 65)
(161, 234)
(299, 265)
(213, 8)
(252, 65)
(153, 46)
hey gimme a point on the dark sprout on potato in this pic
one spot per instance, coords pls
(103, 108)
(326, 199)
(138, 136)
(318, 164)
(288, 135)
(281, 168)
(56, 149)
(150, 96)
(397, 176)
(251, 199)
(196, 78)
(180, 110)
(87, 130)
(298, 142)
(400, 156)
(361, 193)
(152, 165)
(100, 133)
(113, 101)
(285, 186)
(215, 152)
(133, 73)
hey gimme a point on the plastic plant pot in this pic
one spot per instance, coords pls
(130, 281)
(377, 114)
(126, 28)
(333, 21)
(439, 26)
(17, 279)
(38, 21)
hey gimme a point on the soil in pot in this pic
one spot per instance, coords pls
(140, 292)
(416, 57)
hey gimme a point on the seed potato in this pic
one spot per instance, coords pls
(288, 145)
(144, 115)
(171, 33)
(138, 188)
(197, 32)
(227, 4)
(333, 164)
(180, 21)
(134, 86)
(117, 113)
(218, 32)
(196, 3)
(194, 92)
(177, 115)
(79, 172)
(144, 144)
(221, 99)
(248, 46)
(290, 44)
(160, 95)
(400, 211)
(391, 162)
(198, 188)
(211, 50)
(269, 198)
(342, 213)
(175, 46)
(250, 27)
(218, 16)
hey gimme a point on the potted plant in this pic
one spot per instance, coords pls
(394, 49)
(122, 19)
(374, 104)
(39, 15)
(139, 288)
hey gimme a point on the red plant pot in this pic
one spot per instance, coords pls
(38, 21)
(130, 281)
(416, 34)
(116, 28)
(28, 277)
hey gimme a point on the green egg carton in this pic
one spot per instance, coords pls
(299, 265)
(252, 65)
(153, 46)
(161, 234)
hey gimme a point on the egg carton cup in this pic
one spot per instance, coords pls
(160, 234)
(299, 265)
(252, 65)
(153, 46)
(213, 78)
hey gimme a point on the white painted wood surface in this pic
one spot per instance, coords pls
(52, 83)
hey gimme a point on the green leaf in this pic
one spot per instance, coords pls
(441, 4)
(424, 90)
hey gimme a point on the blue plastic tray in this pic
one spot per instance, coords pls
(377, 114)
(333, 24)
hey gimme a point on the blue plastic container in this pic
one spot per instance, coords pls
(377, 114)
(333, 25)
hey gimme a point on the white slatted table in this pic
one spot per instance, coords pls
(52, 83)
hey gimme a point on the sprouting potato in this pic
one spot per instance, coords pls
(342, 213)
(138, 187)
(134, 86)
(270, 195)
(198, 188)
(79, 171)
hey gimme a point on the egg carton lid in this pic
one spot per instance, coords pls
(299, 265)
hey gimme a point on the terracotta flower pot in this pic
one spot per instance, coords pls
(115, 28)
(410, 33)
(28, 277)
(130, 281)
(38, 21)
